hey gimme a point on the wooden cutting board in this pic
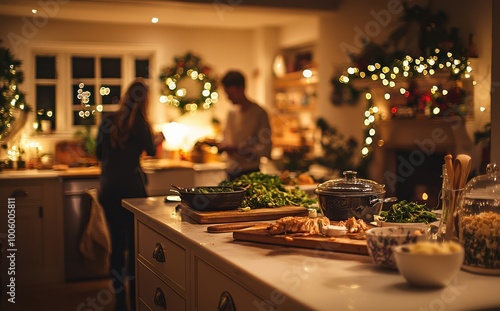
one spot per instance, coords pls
(337, 244)
(214, 217)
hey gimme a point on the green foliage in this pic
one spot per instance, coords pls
(185, 67)
(88, 139)
(11, 96)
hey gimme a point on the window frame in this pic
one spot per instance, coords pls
(64, 81)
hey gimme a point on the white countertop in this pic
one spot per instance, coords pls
(322, 280)
(149, 166)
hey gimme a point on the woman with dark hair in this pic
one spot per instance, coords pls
(122, 138)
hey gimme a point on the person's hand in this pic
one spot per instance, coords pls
(158, 138)
(225, 148)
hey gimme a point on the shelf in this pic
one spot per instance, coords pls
(297, 108)
(295, 80)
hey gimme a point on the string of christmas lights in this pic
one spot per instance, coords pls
(435, 102)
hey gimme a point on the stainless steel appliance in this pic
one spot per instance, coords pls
(76, 216)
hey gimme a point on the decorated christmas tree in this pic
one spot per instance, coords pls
(13, 108)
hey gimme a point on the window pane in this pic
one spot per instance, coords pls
(83, 67)
(142, 68)
(86, 87)
(110, 94)
(46, 104)
(111, 67)
(77, 120)
(45, 67)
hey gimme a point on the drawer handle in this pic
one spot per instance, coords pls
(158, 253)
(19, 193)
(226, 302)
(159, 299)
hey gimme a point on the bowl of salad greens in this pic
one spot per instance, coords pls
(212, 198)
(404, 213)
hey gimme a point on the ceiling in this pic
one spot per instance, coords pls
(196, 13)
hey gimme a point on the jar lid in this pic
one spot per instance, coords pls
(485, 186)
(350, 185)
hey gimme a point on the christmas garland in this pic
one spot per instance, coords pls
(188, 67)
(12, 100)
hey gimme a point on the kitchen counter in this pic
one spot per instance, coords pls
(72, 172)
(149, 166)
(302, 279)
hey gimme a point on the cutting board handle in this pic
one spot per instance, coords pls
(223, 228)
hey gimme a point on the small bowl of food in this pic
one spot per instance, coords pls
(429, 264)
(334, 231)
(381, 240)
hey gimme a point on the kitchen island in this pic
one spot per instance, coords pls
(182, 266)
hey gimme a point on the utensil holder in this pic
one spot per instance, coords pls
(448, 225)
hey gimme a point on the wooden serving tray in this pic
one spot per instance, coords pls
(337, 244)
(213, 217)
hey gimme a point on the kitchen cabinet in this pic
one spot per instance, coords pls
(215, 290)
(161, 270)
(38, 229)
(186, 175)
(172, 275)
(295, 105)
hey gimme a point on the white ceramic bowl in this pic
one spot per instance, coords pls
(381, 240)
(428, 264)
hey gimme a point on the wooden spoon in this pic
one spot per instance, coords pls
(465, 163)
(457, 172)
(448, 159)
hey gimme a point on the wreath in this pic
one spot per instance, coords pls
(187, 84)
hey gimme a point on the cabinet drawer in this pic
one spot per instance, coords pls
(160, 252)
(24, 194)
(211, 285)
(143, 306)
(155, 294)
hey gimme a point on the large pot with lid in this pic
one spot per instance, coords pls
(347, 197)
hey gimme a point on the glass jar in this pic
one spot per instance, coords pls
(479, 222)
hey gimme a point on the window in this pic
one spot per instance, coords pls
(45, 87)
(102, 76)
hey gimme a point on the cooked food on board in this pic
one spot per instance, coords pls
(297, 224)
(288, 179)
(354, 225)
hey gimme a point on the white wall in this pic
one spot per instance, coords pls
(219, 48)
(377, 19)
(253, 50)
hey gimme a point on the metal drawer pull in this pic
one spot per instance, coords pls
(158, 253)
(226, 302)
(19, 193)
(159, 299)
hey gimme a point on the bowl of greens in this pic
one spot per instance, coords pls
(268, 191)
(212, 198)
(404, 213)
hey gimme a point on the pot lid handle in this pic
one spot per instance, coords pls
(350, 175)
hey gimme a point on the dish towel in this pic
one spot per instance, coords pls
(95, 243)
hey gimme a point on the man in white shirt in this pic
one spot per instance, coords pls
(247, 135)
